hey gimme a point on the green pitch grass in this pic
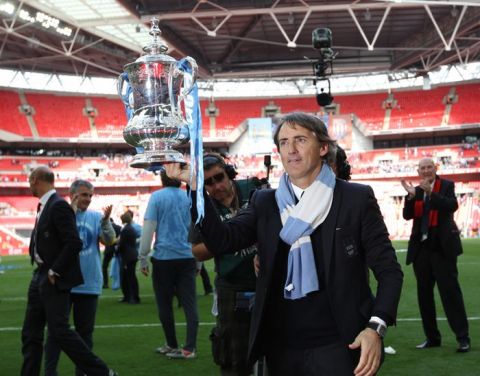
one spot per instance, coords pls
(126, 335)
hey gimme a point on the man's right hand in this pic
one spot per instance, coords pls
(145, 271)
(107, 210)
(180, 172)
(426, 186)
(409, 187)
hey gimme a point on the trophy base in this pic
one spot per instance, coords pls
(147, 161)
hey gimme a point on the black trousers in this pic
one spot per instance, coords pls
(230, 344)
(176, 277)
(433, 267)
(84, 308)
(107, 257)
(47, 305)
(129, 281)
(207, 285)
(330, 360)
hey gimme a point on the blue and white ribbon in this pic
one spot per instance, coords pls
(194, 120)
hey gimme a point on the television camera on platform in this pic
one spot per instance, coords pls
(323, 67)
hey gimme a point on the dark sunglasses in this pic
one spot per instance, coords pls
(217, 178)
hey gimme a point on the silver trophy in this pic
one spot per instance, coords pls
(152, 89)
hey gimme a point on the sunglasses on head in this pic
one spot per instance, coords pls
(217, 178)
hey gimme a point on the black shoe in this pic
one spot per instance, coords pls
(208, 292)
(427, 344)
(463, 346)
(134, 301)
(122, 300)
(105, 287)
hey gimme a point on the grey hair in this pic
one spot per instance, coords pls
(79, 183)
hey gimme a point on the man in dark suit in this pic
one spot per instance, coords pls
(127, 248)
(314, 311)
(433, 249)
(54, 247)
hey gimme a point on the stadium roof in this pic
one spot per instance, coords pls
(239, 38)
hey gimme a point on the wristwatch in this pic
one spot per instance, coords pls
(379, 328)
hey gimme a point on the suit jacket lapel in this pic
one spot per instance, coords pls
(46, 208)
(274, 229)
(43, 216)
(328, 230)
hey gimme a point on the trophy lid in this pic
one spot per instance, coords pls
(156, 50)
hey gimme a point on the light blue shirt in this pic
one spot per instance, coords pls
(89, 229)
(138, 231)
(170, 208)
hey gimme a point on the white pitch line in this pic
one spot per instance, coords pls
(473, 318)
(126, 326)
(117, 326)
(102, 297)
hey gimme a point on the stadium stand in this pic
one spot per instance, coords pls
(20, 204)
(100, 118)
(11, 118)
(109, 117)
(58, 115)
(367, 107)
(418, 108)
(465, 110)
(409, 109)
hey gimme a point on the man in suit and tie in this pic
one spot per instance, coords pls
(317, 236)
(54, 248)
(433, 249)
(93, 228)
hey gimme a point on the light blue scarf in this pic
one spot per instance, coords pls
(299, 221)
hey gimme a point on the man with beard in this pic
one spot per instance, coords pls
(235, 279)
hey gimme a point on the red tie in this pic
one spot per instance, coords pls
(39, 206)
(36, 256)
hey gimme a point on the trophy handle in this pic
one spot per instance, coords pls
(181, 68)
(124, 97)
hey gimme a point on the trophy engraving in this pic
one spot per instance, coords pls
(152, 89)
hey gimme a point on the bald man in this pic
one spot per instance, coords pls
(433, 249)
(54, 248)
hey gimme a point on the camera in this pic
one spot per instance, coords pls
(322, 38)
(322, 41)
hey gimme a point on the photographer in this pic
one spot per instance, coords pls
(235, 279)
